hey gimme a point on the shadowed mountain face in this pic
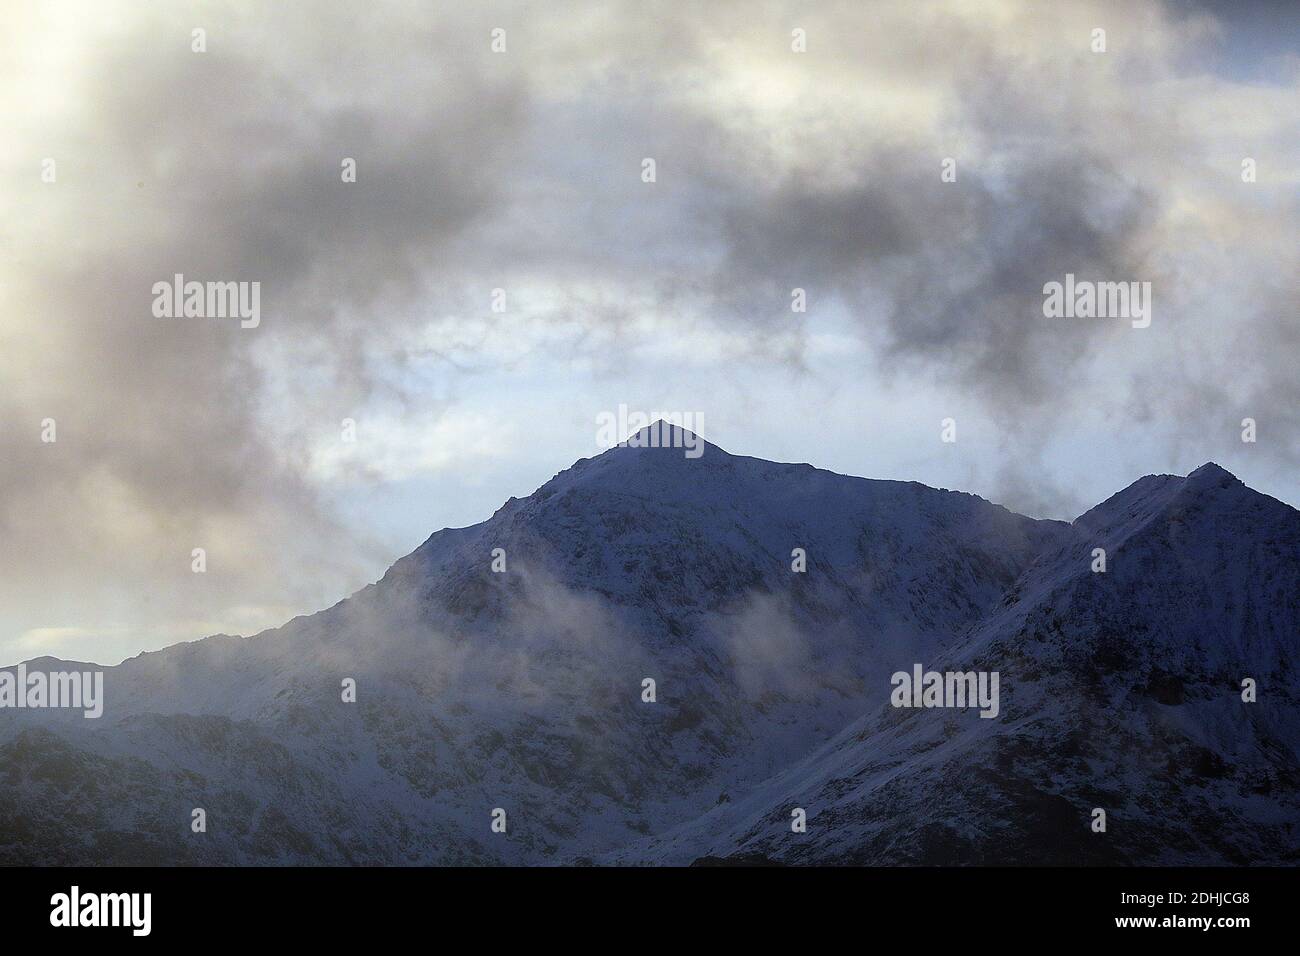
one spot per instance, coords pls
(1121, 691)
(524, 688)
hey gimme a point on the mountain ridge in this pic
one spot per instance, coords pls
(523, 688)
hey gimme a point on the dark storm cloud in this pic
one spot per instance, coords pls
(776, 170)
(226, 166)
(1073, 162)
(959, 272)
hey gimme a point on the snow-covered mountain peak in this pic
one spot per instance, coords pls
(1210, 489)
(1210, 471)
(662, 433)
(662, 441)
(503, 664)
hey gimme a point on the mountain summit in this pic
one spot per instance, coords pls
(656, 657)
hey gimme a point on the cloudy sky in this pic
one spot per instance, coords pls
(522, 171)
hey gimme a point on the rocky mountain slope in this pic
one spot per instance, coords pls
(1121, 691)
(523, 689)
